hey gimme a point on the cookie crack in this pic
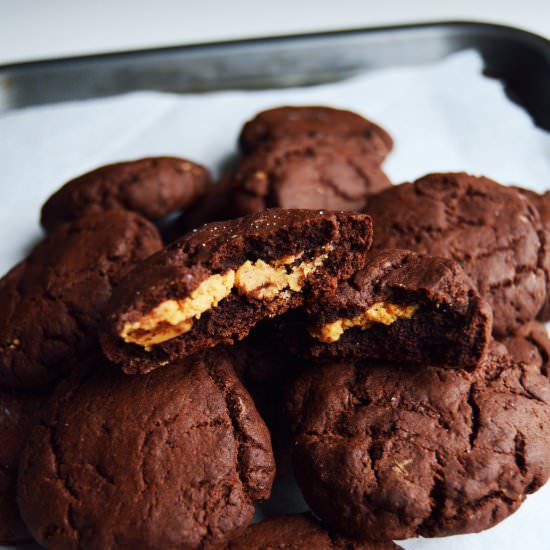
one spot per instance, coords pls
(103, 474)
(119, 198)
(62, 480)
(457, 220)
(518, 387)
(234, 411)
(519, 453)
(542, 352)
(375, 452)
(527, 392)
(357, 401)
(271, 170)
(422, 409)
(365, 178)
(515, 280)
(498, 495)
(474, 416)
(338, 191)
(125, 263)
(144, 481)
(213, 423)
(71, 520)
(540, 257)
(437, 497)
(386, 269)
(509, 247)
(145, 442)
(359, 171)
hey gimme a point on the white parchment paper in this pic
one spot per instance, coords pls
(443, 117)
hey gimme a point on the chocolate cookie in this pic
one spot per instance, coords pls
(542, 204)
(299, 532)
(153, 187)
(403, 307)
(393, 451)
(296, 122)
(213, 285)
(52, 301)
(17, 410)
(540, 200)
(530, 345)
(174, 459)
(493, 231)
(300, 172)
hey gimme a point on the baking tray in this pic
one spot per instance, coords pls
(518, 58)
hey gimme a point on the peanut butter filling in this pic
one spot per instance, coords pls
(174, 317)
(380, 312)
(265, 281)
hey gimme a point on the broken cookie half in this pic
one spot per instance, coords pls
(405, 307)
(213, 285)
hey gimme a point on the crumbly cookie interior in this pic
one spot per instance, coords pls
(380, 312)
(259, 279)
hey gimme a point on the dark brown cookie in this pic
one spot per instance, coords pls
(214, 206)
(542, 204)
(17, 410)
(394, 451)
(299, 532)
(403, 307)
(213, 285)
(174, 459)
(153, 187)
(300, 172)
(530, 345)
(296, 122)
(52, 301)
(492, 230)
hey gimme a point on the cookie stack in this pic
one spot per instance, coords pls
(387, 336)
(336, 153)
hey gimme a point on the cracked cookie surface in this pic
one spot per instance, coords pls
(299, 532)
(52, 301)
(315, 121)
(394, 451)
(491, 230)
(300, 172)
(174, 459)
(213, 285)
(542, 203)
(153, 187)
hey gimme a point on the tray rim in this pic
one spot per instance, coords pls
(519, 35)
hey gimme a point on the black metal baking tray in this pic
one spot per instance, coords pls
(520, 59)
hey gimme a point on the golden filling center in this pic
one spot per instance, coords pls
(380, 312)
(264, 281)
